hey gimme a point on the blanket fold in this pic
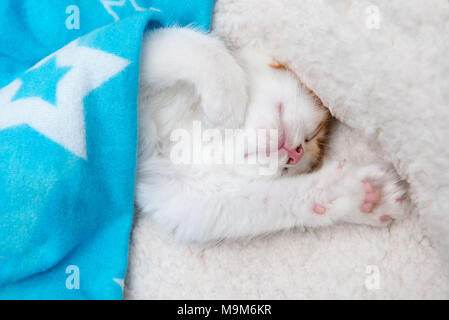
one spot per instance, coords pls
(68, 141)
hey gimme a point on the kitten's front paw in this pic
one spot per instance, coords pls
(371, 195)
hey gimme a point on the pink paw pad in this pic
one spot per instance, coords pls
(385, 218)
(319, 209)
(372, 197)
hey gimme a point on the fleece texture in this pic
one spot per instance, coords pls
(31, 30)
(382, 69)
(68, 144)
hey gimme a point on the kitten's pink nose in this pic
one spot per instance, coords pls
(294, 155)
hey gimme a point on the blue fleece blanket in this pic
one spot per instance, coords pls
(68, 112)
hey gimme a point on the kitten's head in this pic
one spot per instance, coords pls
(277, 100)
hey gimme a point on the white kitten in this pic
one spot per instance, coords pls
(189, 79)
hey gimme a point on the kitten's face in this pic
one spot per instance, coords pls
(278, 101)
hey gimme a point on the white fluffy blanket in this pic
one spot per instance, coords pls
(382, 67)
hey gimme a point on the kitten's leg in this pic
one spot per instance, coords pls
(332, 194)
(174, 55)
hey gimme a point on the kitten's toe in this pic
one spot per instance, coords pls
(372, 197)
(319, 209)
(385, 201)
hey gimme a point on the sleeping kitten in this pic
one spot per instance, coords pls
(195, 96)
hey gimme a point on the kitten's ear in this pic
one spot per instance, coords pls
(281, 66)
(278, 65)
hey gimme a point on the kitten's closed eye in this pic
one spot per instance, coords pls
(316, 131)
(316, 140)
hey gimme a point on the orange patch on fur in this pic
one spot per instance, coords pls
(315, 147)
(277, 65)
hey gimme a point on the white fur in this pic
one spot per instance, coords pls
(328, 45)
(208, 202)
